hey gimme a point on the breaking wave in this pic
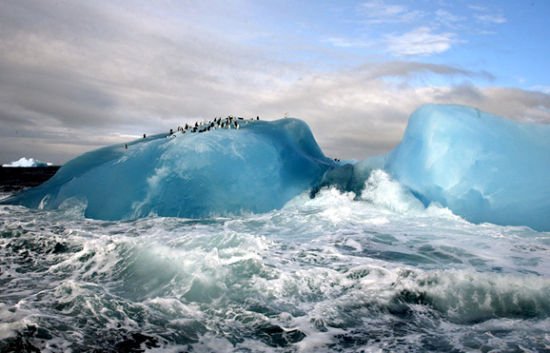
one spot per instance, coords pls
(340, 272)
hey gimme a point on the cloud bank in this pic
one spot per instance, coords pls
(75, 76)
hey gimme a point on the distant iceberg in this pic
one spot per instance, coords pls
(26, 163)
(482, 167)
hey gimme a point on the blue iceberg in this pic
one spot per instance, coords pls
(256, 168)
(482, 167)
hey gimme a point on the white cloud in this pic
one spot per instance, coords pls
(423, 39)
(420, 41)
(378, 11)
(487, 15)
(68, 81)
(491, 18)
(342, 42)
(478, 8)
(540, 88)
(448, 19)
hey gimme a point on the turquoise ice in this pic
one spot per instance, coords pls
(482, 167)
(225, 171)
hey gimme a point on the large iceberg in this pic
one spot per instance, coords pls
(254, 169)
(482, 167)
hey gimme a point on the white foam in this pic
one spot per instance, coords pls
(10, 322)
(329, 267)
(381, 190)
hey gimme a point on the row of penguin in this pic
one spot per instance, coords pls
(230, 122)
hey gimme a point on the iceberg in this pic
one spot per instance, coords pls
(26, 163)
(256, 168)
(483, 167)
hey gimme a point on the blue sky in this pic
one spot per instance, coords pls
(78, 75)
(506, 38)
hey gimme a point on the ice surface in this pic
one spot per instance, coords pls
(26, 163)
(254, 169)
(483, 167)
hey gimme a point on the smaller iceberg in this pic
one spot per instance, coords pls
(482, 167)
(26, 163)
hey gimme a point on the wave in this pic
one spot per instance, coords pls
(336, 272)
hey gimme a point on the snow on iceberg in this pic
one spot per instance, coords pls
(482, 167)
(26, 163)
(254, 169)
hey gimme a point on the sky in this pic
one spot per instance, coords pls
(78, 75)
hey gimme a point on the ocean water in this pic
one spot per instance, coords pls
(375, 272)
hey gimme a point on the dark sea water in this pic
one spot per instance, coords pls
(329, 274)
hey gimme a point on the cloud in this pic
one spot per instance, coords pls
(75, 76)
(420, 41)
(406, 69)
(487, 15)
(448, 19)
(414, 32)
(342, 42)
(73, 79)
(380, 12)
(492, 18)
